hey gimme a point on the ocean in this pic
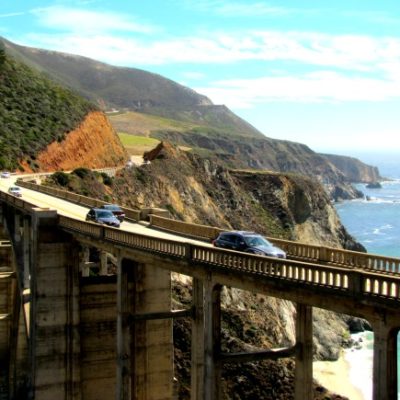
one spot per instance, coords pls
(374, 221)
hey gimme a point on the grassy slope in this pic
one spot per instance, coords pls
(33, 112)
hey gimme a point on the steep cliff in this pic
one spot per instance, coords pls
(93, 144)
(284, 205)
(353, 169)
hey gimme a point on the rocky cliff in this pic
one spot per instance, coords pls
(353, 169)
(200, 190)
(93, 144)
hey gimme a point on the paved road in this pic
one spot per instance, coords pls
(69, 209)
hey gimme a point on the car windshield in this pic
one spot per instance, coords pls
(14, 189)
(112, 207)
(105, 214)
(256, 240)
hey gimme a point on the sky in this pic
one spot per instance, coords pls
(323, 73)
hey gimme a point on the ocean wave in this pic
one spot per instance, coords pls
(380, 200)
(361, 355)
(378, 231)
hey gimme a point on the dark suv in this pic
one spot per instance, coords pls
(116, 210)
(102, 216)
(249, 242)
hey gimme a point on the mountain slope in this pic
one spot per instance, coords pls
(214, 129)
(35, 112)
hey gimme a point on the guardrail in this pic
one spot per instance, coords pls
(76, 198)
(349, 282)
(192, 230)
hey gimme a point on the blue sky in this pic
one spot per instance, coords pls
(323, 73)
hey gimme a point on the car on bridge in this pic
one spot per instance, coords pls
(116, 210)
(5, 174)
(248, 242)
(104, 217)
(15, 191)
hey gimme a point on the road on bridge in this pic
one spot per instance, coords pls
(76, 211)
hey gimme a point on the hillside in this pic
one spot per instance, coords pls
(35, 112)
(209, 129)
(282, 205)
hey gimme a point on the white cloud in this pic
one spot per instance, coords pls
(14, 14)
(356, 53)
(323, 86)
(230, 8)
(85, 21)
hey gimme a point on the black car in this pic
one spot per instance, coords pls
(116, 210)
(249, 242)
(102, 216)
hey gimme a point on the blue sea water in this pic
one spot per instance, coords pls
(375, 220)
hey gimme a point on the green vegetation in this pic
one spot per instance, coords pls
(131, 140)
(33, 112)
(82, 181)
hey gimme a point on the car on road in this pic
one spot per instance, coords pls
(249, 242)
(104, 217)
(5, 174)
(15, 191)
(116, 210)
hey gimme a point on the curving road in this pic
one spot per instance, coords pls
(76, 211)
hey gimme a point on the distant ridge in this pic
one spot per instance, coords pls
(213, 130)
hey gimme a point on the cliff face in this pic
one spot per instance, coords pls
(353, 169)
(198, 190)
(93, 144)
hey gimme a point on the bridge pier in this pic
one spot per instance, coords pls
(206, 340)
(385, 362)
(54, 341)
(303, 378)
(144, 348)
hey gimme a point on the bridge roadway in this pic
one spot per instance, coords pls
(374, 296)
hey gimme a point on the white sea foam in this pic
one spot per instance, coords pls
(360, 361)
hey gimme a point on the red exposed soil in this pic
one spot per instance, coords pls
(94, 144)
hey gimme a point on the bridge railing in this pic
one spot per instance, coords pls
(17, 202)
(295, 250)
(351, 282)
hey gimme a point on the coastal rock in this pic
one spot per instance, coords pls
(373, 185)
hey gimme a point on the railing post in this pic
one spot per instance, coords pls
(355, 282)
(303, 378)
(323, 254)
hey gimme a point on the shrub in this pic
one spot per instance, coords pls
(61, 178)
(81, 172)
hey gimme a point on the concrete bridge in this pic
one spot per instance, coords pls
(77, 327)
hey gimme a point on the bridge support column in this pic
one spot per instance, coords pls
(154, 358)
(304, 353)
(26, 252)
(385, 362)
(206, 341)
(83, 262)
(103, 263)
(54, 312)
(124, 361)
